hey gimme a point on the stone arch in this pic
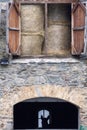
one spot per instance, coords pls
(56, 111)
(18, 94)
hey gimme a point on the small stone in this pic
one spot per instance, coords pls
(9, 126)
(2, 77)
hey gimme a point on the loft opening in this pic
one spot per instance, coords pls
(46, 29)
(46, 113)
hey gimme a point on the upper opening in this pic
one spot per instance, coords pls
(45, 33)
(46, 28)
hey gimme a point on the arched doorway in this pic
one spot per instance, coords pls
(46, 113)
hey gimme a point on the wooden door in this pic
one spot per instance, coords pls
(78, 26)
(14, 29)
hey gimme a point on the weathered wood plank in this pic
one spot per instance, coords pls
(13, 29)
(78, 29)
(46, 22)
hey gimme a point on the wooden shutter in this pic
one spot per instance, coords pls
(14, 29)
(78, 26)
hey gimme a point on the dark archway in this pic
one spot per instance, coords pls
(46, 113)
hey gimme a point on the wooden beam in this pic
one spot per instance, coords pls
(47, 1)
(46, 23)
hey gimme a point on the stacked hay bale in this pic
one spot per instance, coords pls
(32, 25)
(58, 40)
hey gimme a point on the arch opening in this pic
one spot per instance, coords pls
(46, 113)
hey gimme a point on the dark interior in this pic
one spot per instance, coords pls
(63, 115)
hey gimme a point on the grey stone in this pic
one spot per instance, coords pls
(9, 126)
(19, 74)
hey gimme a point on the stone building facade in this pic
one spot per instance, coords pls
(64, 78)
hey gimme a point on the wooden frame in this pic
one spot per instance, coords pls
(46, 3)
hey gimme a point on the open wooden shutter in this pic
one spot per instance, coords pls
(14, 29)
(78, 26)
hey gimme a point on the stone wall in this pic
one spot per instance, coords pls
(2, 29)
(24, 79)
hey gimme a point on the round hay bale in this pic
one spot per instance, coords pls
(31, 45)
(32, 26)
(58, 34)
(58, 40)
(59, 13)
(32, 18)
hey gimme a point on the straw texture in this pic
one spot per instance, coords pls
(32, 22)
(32, 18)
(59, 37)
(58, 44)
(31, 45)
